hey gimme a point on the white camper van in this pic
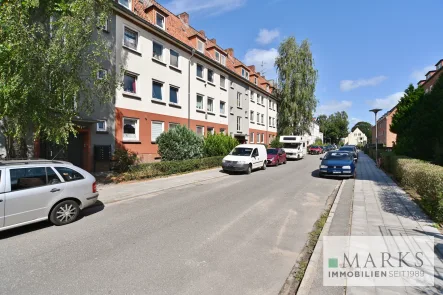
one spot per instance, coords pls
(294, 146)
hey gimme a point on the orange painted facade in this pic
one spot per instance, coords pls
(267, 136)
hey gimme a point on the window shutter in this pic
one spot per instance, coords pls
(157, 129)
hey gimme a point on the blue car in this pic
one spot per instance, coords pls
(338, 163)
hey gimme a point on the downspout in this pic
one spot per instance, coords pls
(189, 88)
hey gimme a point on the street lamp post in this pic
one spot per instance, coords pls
(375, 111)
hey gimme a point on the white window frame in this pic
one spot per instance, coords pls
(203, 71)
(102, 71)
(255, 81)
(152, 133)
(251, 140)
(105, 128)
(129, 4)
(219, 56)
(263, 119)
(252, 116)
(239, 100)
(223, 60)
(246, 114)
(135, 76)
(178, 58)
(232, 84)
(252, 96)
(202, 44)
(159, 83)
(258, 118)
(210, 99)
(162, 57)
(211, 132)
(231, 110)
(202, 128)
(164, 20)
(222, 131)
(238, 123)
(270, 121)
(267, 88)
(213, 75)
(137, 129)
(178, 94)
(125, 27)
(172, 125)
(244, 73)
(203, 101)
(224, 107)
(224, 84)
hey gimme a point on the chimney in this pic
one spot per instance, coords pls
(202, 33)
(230, 51)
(252, 68)
(213, 41)
(184, 16)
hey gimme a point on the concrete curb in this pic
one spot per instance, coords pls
(310, 272)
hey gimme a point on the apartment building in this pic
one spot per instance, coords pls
(384, 134)
(432, 76)
(356, 137)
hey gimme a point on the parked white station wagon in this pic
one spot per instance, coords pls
(36, 190)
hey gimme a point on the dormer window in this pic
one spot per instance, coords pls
(217, 56)
(223, 60)
(244, 74)
(200, 46)
(439, 66)
(429, 76)
(267, 87)
(125, 3)
(160, 20)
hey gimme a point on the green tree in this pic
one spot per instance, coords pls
(219, 145)
(297, 79)
(180, 143)
(322, 122)
(335, 126)
(365, 127)
(50, 55)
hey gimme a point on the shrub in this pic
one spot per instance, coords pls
(180, 143)
(423, 177)
(124, 159)
(219, 145)
(150, 170)
(276, 143)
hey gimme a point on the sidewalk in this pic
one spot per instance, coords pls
(379, 208)
(110, 193)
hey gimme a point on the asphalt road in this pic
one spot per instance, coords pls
(239, 234)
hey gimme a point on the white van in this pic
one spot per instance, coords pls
(245, 158)
(294, 146)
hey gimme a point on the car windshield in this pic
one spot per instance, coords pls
(347, 148)
(272, 151)
(337, 156)
(291, 145)
(241, 151)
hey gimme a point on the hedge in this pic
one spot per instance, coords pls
(163, 168)
(423, 177)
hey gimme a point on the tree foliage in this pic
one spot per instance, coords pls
(180, 143)
(365, 127)
(334, 127)
(219, 145)
(297, 79)
(417, 123)
(50, 54)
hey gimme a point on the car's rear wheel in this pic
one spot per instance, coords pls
(64, 212)
(249, 169)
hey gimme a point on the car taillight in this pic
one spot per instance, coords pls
(94, 187)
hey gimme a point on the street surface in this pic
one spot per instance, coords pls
(237, 234)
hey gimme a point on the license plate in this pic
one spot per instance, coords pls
(336, 172)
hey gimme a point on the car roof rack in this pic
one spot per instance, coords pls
(31, 161)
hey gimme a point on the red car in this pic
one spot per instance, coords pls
(276, 157)
(315, 150)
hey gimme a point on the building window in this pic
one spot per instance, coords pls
(101, 126)
(130, 83)
(199, 102)
(199, 71)
(157, 89)
(173, 125)
(160, 20)
(222, 131)
(157, 128)
(274, 122)
(217, 56)
(251, 139)
(101, 74)
(173, 94)
(222, 107)
(246, 114)
(200, 46)
(231, 110)
(210, 105)
(439, 66)
(255, 80)
(223, 60)
(222, 82)
(210, 76)
(232, 84)
(200, 130)
(267, 87)
(252, 96)
(130, 129)
(245, 73)
(258, 118)
(130, 39)
(262, 118)
(262, 138)
(252, 116)
(157, 51)
(173, 58)
(239, 100)
(238, 123)
(262, 101)
(125, 3)
(270, 121)
(211, 130)
(258, 98)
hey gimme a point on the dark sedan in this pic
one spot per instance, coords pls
(352, 149)
(337, 163)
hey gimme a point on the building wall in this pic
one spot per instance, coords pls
(385, 136)
(356, 137)
(234, 87)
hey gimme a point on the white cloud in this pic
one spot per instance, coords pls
(213, 7)
(348, 85)
(386, 103)
(259, 57)
(266, 36)
(420, 74)
(354, 121)
(333, 106)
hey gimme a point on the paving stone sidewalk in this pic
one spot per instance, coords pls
(381, 208)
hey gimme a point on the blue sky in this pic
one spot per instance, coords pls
(366, 51)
